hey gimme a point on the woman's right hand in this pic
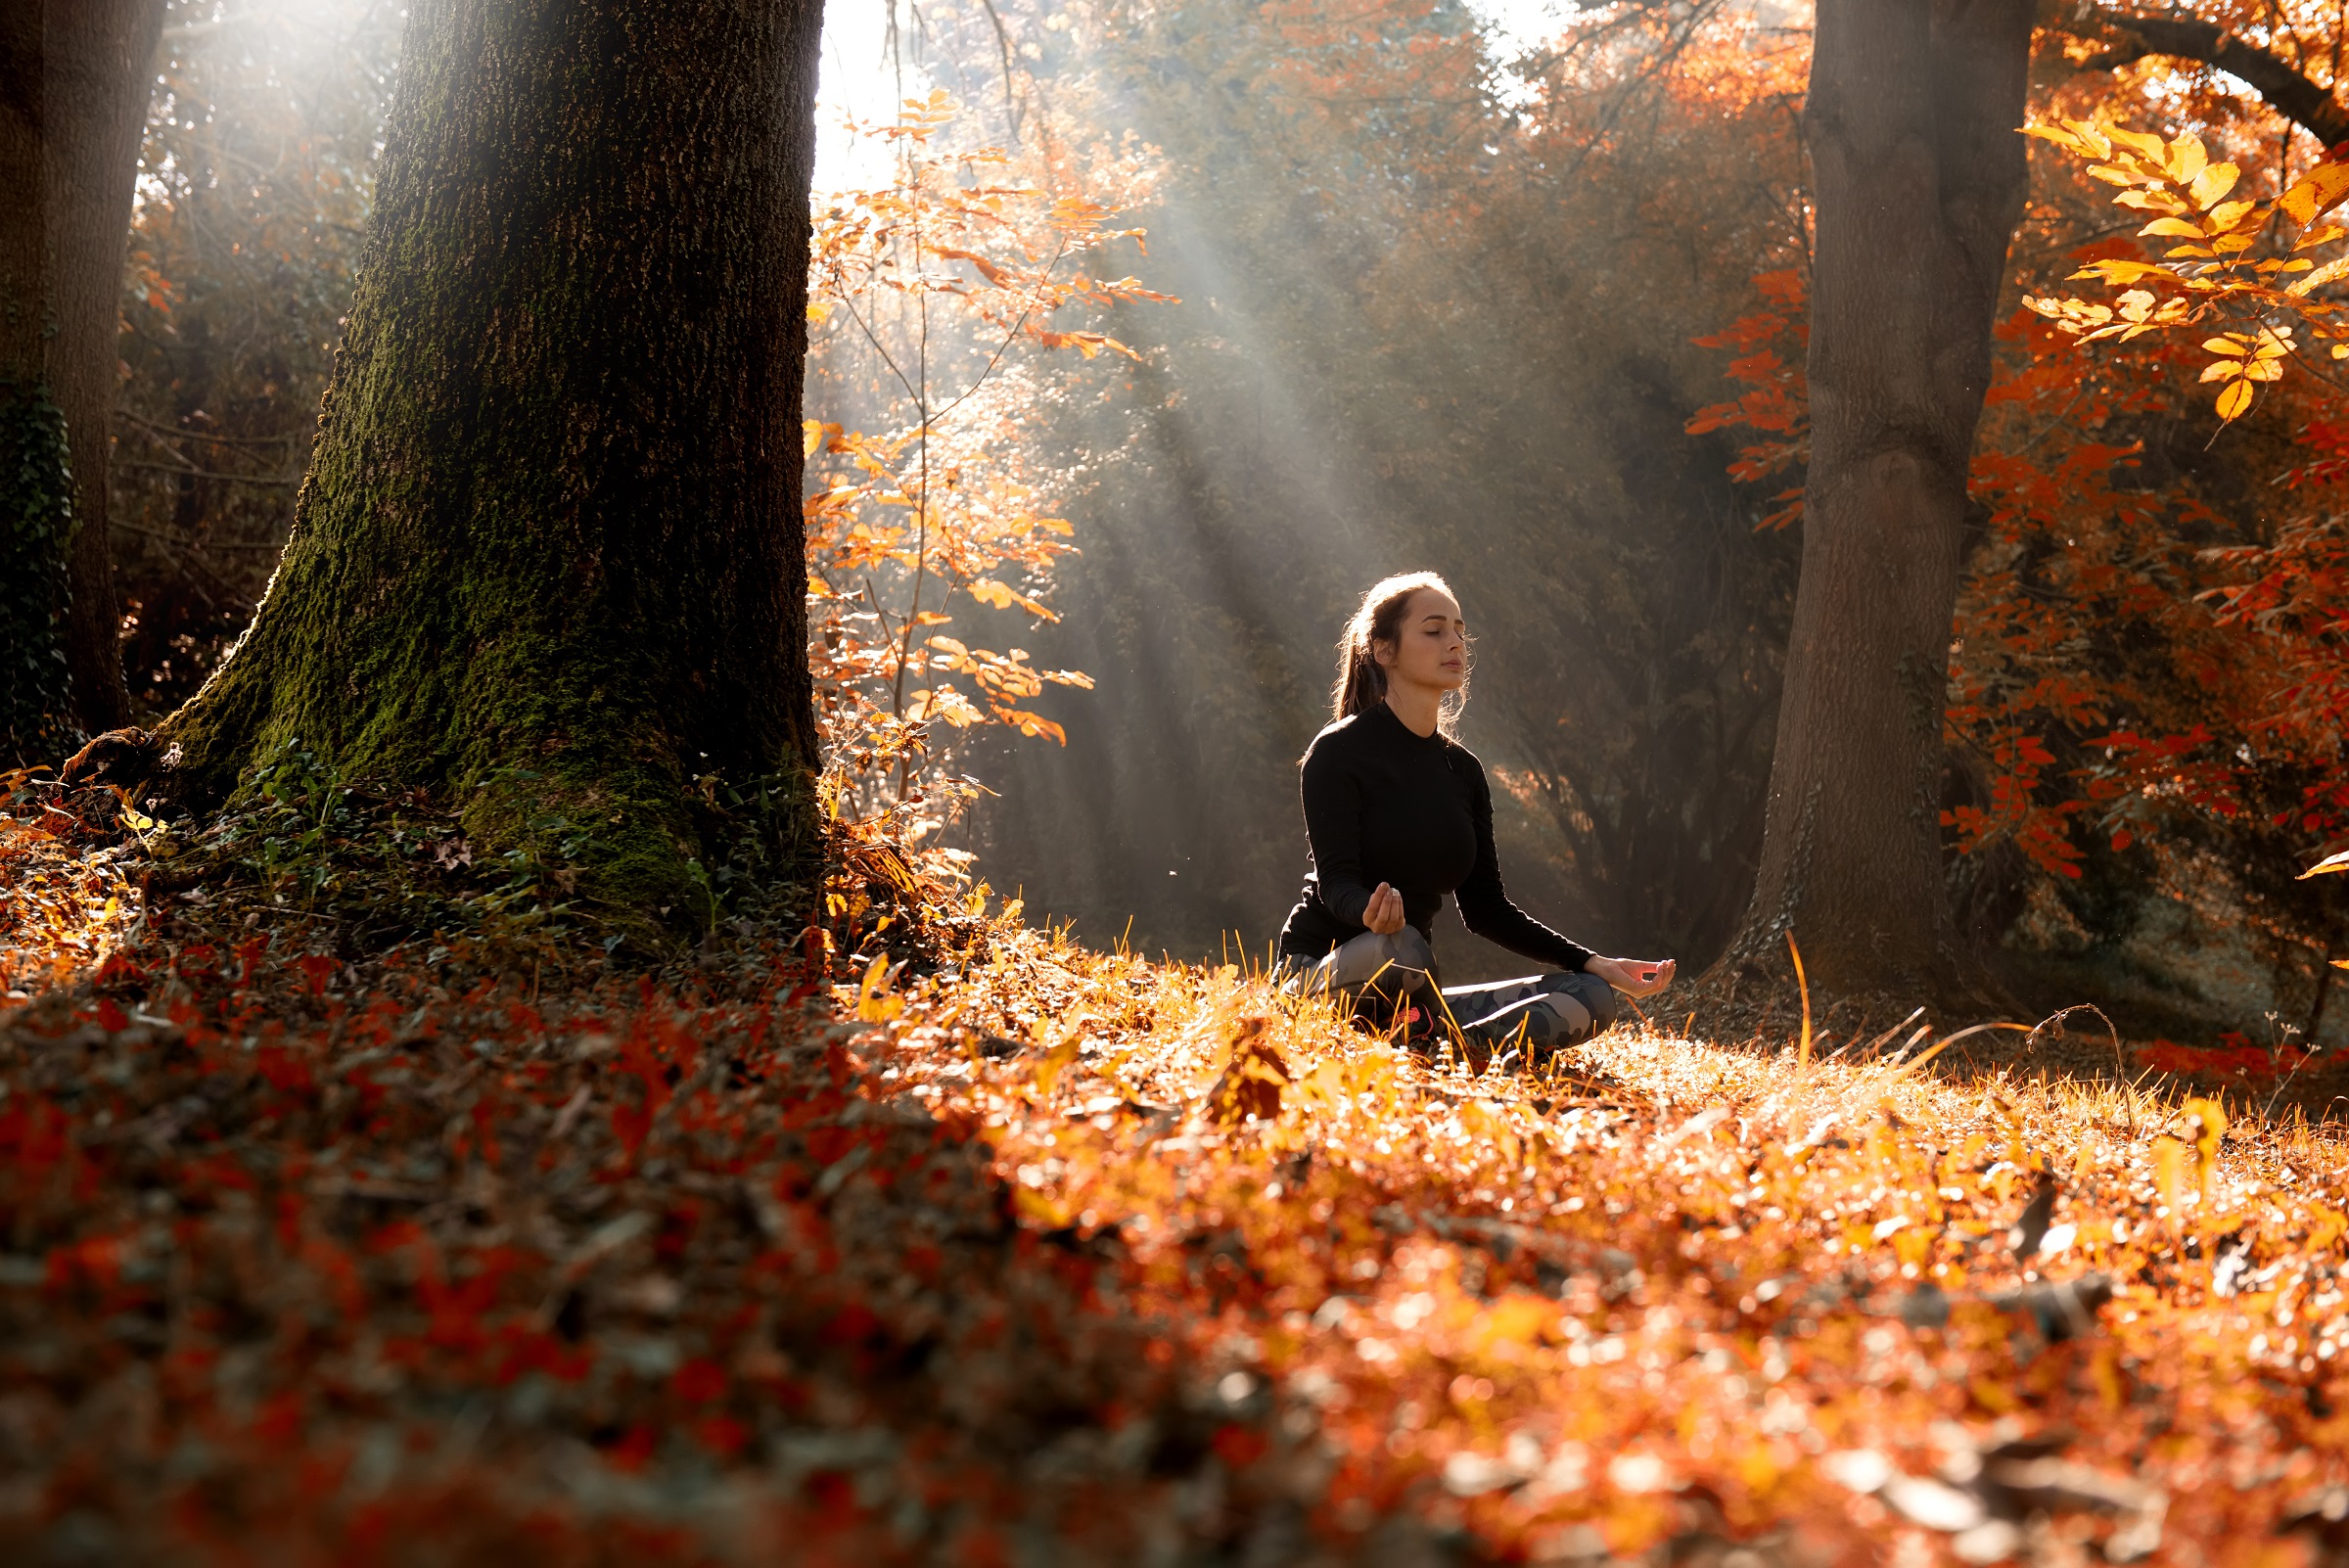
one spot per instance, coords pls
(1384, 914)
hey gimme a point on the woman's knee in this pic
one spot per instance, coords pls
(1598, 999)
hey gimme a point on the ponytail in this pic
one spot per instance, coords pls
(1361, 680)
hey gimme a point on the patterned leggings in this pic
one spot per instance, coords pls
(1384, 972)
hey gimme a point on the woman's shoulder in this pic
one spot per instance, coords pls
(1338, 738)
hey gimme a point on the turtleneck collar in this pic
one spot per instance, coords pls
(1385, 711)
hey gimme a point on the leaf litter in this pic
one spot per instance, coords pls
(1054, 1255)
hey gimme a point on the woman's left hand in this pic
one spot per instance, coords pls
(1633, 977)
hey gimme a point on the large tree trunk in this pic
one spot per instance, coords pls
(548, 556)
(1920, 178)
(101, 75)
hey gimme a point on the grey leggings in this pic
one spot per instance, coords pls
(1540, 1010)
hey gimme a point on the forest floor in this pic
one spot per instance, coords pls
(471, 1251)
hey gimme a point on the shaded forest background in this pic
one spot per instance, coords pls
(1436, 302)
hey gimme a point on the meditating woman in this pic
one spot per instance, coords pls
(1398, 814)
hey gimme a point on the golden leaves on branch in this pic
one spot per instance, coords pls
(945, 285)
(2216, 277)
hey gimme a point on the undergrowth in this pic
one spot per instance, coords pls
(1019, 1252)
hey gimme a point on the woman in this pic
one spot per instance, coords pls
(1398, 814)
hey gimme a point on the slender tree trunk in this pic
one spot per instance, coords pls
(1920, 179)
(101, 75)
(548, 556)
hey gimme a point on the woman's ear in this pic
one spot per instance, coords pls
(1382, 653)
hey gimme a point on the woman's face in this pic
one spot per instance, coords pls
(1431, 647)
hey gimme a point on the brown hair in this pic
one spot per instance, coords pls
(1362, 682)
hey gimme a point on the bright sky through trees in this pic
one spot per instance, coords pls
(861, 81)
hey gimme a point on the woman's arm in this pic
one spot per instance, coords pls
(1485, 907)
(1333, 830)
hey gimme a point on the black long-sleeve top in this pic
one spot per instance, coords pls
(1385, 805)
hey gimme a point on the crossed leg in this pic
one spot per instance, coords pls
(1546, 1012)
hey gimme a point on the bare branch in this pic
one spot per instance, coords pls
(2276, 79)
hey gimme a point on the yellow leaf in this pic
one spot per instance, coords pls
(811, 436)
(1031, 725)
(2118, 271)
(817, 311)
(2318, 191)
(2183, 228)
(2223, 346)
(2184, 161)
(2315, 237)
(2149, 147)
(2056, 134)
(2227, 215)
(874, 1002)
(2320, 277)
(2221, 370)
(2327, 865)
(2235, 399)
(1003, 596)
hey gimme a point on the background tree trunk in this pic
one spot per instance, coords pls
(1920, 179)
(73, 104)
(101, 74)
(548, 553)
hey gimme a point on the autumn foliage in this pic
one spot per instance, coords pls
(940, 288)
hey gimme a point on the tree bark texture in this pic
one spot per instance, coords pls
(74, 76)
(100, 77)
(548, 556)
(1920, 178)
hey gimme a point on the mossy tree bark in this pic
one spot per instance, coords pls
(1920, 178)
(548, 556)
